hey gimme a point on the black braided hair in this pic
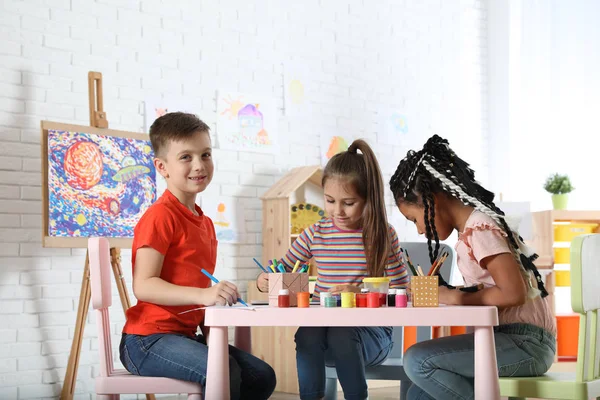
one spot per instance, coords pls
(435, 169)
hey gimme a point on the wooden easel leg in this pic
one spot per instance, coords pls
(115, 261)
(68, 388)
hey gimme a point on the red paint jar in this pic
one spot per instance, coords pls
(361, 298)
(283, 300)
(373, 300)
(382, 299)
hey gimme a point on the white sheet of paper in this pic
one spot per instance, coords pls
(236, 306)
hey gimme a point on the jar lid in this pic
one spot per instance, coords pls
(364, 290)
(284, 292)
(382, 279)
(325, 294)
(392, 291)
(400, 291)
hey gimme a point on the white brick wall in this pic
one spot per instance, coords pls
(427, 58)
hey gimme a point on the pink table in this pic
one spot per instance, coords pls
(483, 319)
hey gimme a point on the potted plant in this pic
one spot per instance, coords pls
(560, 186)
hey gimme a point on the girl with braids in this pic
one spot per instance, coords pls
(353, 243)
(437, 191)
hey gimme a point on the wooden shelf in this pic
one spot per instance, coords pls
(575, 215)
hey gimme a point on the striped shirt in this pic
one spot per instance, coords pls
(340, 256)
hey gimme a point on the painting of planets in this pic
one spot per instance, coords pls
(98, 185)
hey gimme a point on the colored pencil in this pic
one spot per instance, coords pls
(215, 280)
(259, 265)
(296, 266)
(281, 268)
(412, 267)
(420, 270)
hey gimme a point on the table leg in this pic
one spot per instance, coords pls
(487, 386)
(217, 369)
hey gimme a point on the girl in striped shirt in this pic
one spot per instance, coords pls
(354, 242)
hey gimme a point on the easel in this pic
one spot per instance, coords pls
(98, 120)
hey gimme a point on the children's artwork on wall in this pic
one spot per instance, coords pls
(226, 216)
(333, 144)
(246, 122)
(97, 182)
(394, 127)
(296, 91)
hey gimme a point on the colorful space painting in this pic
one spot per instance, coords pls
(97, 185)
(246, 122)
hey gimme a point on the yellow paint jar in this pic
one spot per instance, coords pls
(348, 300)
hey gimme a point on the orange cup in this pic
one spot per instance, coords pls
(303, 299)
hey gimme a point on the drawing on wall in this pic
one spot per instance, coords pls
(226, 216)
(331, 145)
(98, 185)
(296, 91)
(395, 125)
(246, 122)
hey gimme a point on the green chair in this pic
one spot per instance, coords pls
(584, 384)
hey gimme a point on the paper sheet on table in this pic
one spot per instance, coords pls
(236, 306)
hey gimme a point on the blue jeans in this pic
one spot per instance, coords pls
(444, 368)
(181, 357)
(350, 349)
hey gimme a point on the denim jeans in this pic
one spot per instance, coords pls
(181, 357)
(350, 349)
(444, 368)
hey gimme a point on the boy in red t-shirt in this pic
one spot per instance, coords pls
(172, 242)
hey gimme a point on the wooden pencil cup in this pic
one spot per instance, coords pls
(425, 291)
(294, 282)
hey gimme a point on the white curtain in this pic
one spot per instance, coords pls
(554, 99)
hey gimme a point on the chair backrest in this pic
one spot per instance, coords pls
(585, 300)
(100, 281)
(419, 254)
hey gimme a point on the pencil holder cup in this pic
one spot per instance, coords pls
(425, 291)
(294, 282)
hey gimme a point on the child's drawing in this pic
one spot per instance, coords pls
(226, 216)
(331, 145)
(97, 185)
(394, 126)
(296, 91)
(246, 122)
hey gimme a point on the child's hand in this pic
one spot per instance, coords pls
(223, 293)
(344, 288)
(262, 282)
(449, 296)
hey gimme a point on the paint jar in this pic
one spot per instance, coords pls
(338, 300)
(380, 285)
(303, 299)
(330, 302)
(401, 298)
(323, 296)
(283, 300)
(348, 300)
(391, 298)
(373, 300)
(361, 298)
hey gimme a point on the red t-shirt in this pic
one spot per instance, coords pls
(189, 244)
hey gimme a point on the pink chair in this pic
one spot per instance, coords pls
(111, 381)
